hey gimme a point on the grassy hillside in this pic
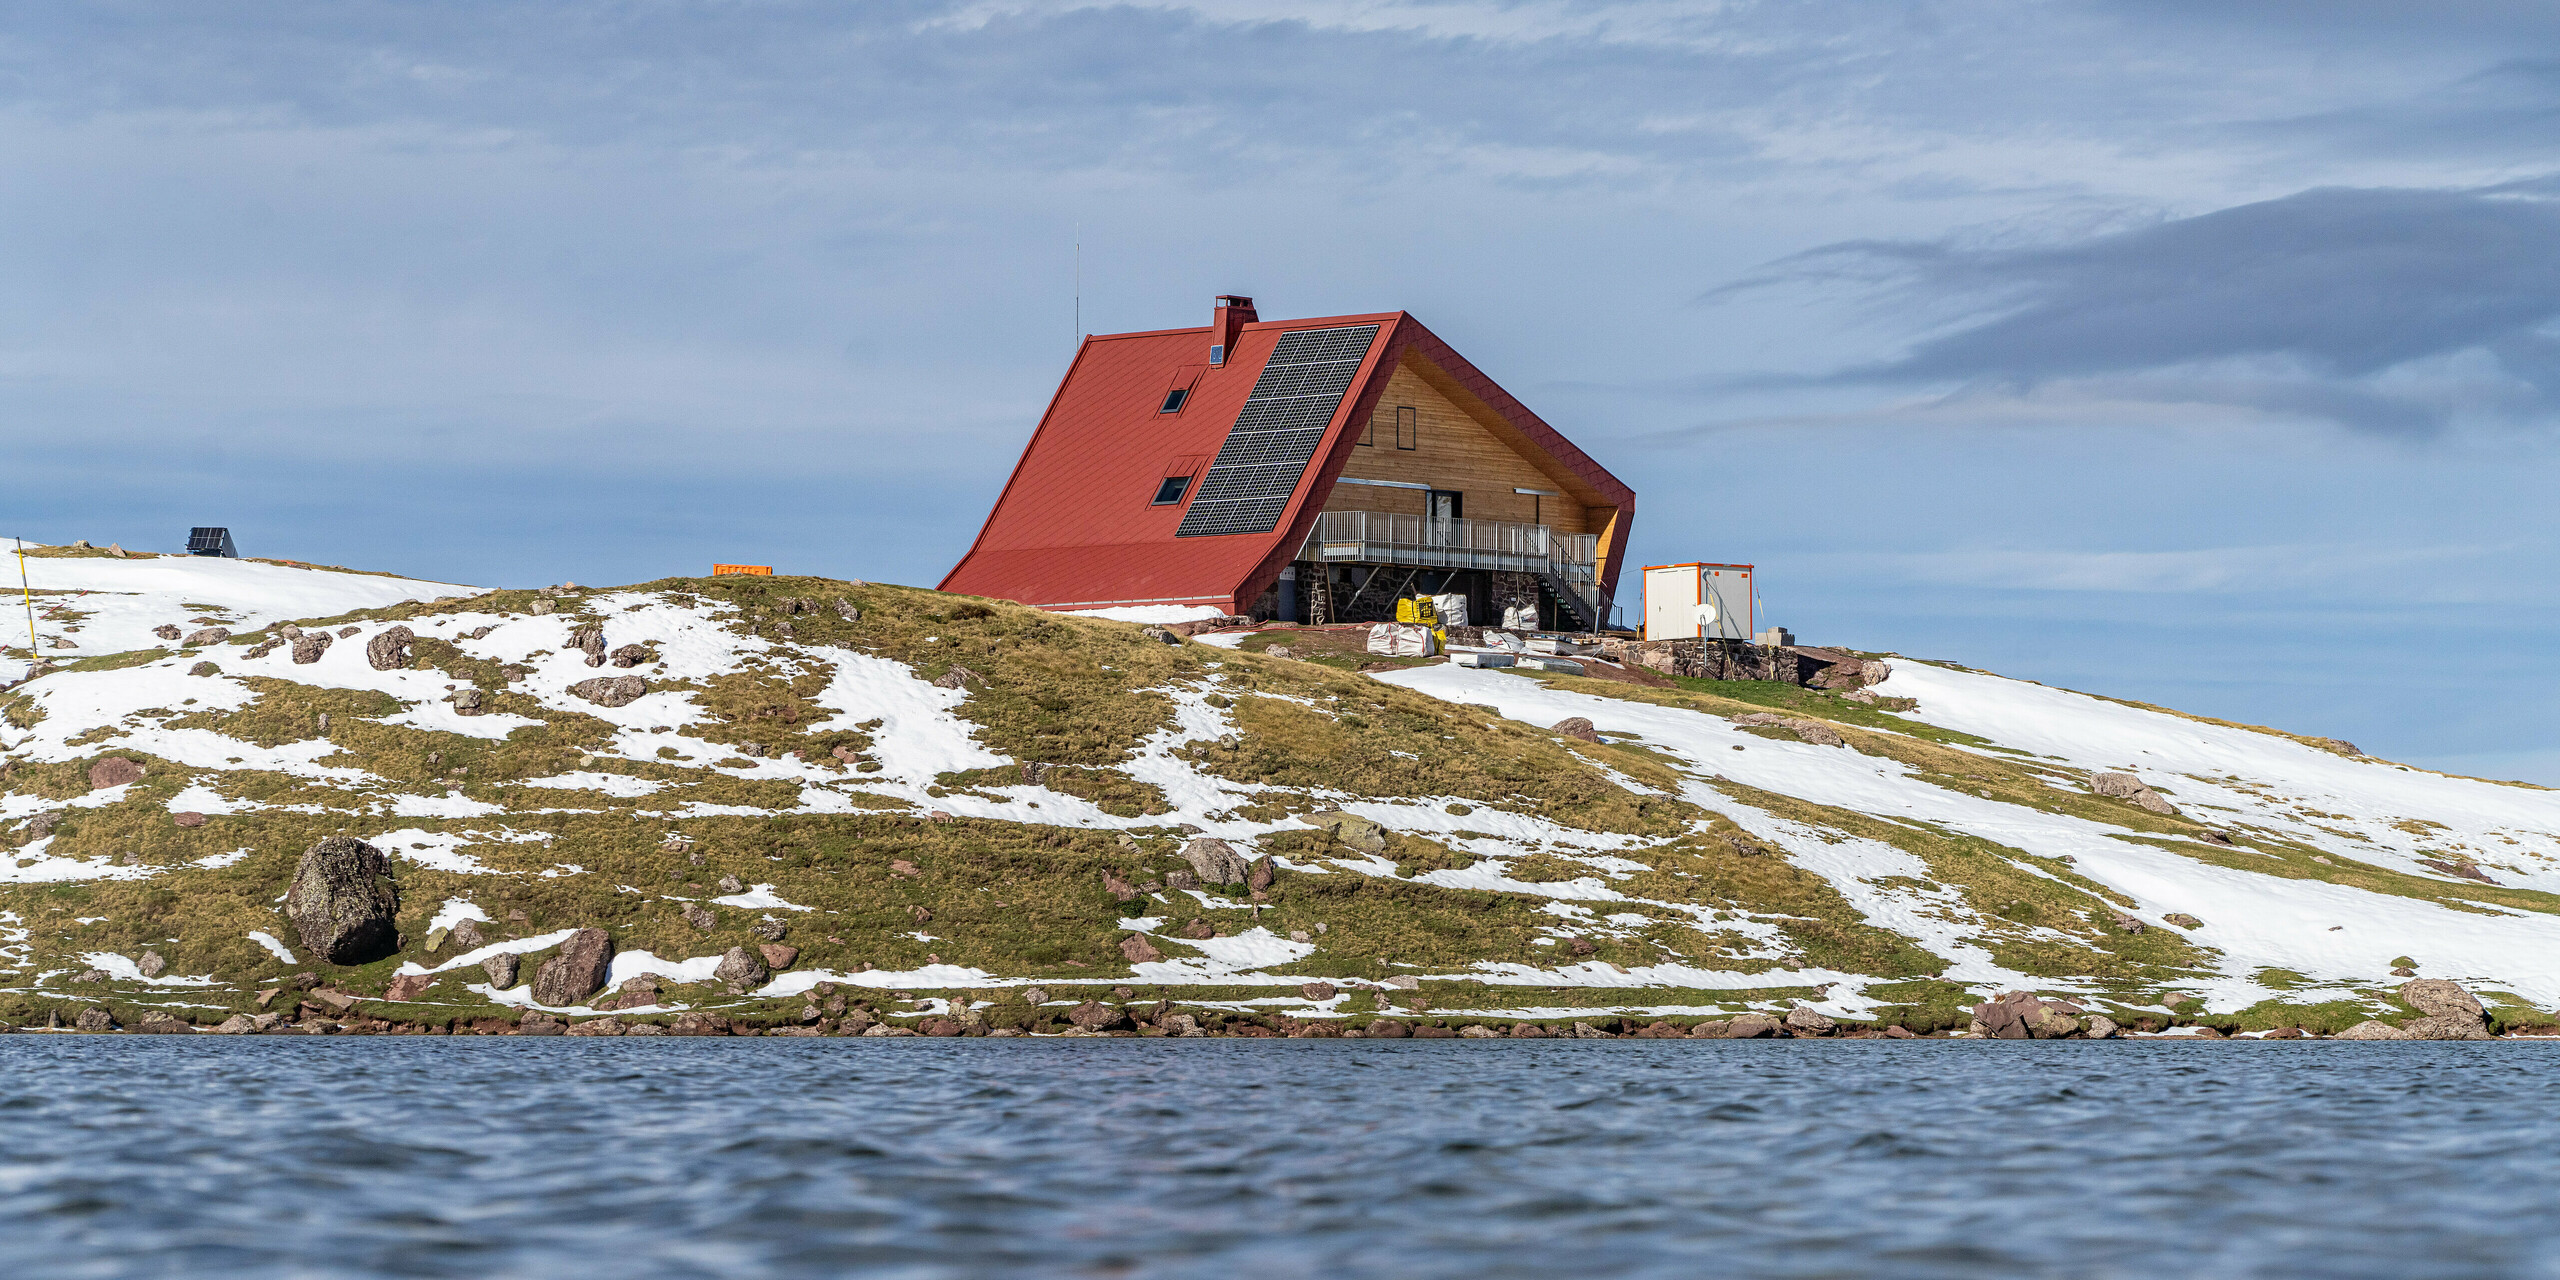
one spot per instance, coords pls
(943, 802)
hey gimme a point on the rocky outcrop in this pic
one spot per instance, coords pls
(2019, 1015)
(1350, 830)
(1215, 861)
(113, 771)
(1808, 731)
(342, 902)
(1139, 950)
(308, 646)
(205, 638)
(1805, 1022)
(2372, 1030)
(1748, 1026)
(1093, 1015)
(501, 969)
(589, 640)
(1577, 727)
(578, 971)
(2127, 787)
(2451, 1013)
(700, 917)
(611, 691)
(740, 970)
(388, 650)
(631, 655)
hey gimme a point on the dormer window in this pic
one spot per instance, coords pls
(1170, 491)
(1173, 400)
(1217, 355)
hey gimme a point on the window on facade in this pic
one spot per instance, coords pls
(1171, 490)
(1408, 427)
(1173, 400)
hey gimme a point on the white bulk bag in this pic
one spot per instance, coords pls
(1401, 640)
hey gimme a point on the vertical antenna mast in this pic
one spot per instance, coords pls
(1079, 284)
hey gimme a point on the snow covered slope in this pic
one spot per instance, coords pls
(951, 798)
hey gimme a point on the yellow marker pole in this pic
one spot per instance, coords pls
(28, 594)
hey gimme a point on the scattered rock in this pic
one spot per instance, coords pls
(957, 678)
(778, 957)
(1199, 929)
(741, 971)
(597, 1027)
(1178, 880)
(187, 818)
(770, 930)
(163, 1024)
(1744, 845)
(152, 964)
(1388, 1029)
(2338, 745)
(731, 884)
(206, 638)
(388, 650)
(2372, 1030)
(1139, 950)
(2050, 1021)
(166, 631)
(1262, 876)
(308, 646)
(501, 969)
(408, 985)
(578, 971)
(2101, 1027)
(1581, 946)
(1215, 861)
(2182, 920)
(1093, 1015)
(467, 935)
(1805, 1022)
(2128, 923)
(884, 1029)
(700, 917)
(1585, 1031)
(204, 669)
(343, 901)
(631, 655)
(1808, 731)
(589, 640)
(1160, 635)
(2438, 997)
(2465, 869)
(1119, 889)
(1747, 1026)
(95, 1018)
(1317, 991)
(2125, 786)
(1350, 831)
(542, 605)
(2404, 972)
(113, 771)
(468, 702)
(611, 691)
(1578, 727)
(238, 1024)
(697, 1023)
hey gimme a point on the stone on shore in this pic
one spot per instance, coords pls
(578, 971)
(343, 902)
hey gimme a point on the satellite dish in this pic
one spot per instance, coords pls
(1709, 618)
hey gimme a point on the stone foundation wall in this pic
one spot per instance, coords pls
(1742, 660)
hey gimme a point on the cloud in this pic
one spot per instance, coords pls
(2300, 304)
(2389, 575)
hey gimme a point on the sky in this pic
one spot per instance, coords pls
(2199, 354)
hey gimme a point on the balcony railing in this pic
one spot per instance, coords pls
(1377, 537)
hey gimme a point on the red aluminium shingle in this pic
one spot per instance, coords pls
(1075, 526)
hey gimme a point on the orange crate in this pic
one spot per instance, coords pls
(764, 569)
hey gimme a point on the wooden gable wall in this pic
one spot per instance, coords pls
(1455, 449)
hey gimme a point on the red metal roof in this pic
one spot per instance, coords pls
(1074, 527)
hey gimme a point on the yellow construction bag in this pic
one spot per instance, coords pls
(1417, 609)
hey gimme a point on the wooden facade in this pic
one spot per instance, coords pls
(1426, 430)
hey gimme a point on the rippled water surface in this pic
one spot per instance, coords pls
(550, 1157)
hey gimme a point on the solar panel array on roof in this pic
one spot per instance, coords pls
(210, 541)
(1276, 433)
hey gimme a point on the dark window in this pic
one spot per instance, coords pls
(1173, 400)
(1170, 492)
(1408, 427)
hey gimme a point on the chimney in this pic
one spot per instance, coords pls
(1234, 313)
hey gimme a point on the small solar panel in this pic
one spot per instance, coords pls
(1276, 433)
(205, 540)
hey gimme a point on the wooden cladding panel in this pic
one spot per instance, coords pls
(1453, 451)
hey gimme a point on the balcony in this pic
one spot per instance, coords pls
(1569, 562)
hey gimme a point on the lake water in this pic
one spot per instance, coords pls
(1132, 1158)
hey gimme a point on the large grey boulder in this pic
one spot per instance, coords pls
(578, 971)
(2372, 1030)
(501, 969)
(342, 902)
(2442, 998)
(1215, 861)
(206, 637)
(611, 691)
(741, 970)
(308, 646)
(2125, 786)
(388, 650)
